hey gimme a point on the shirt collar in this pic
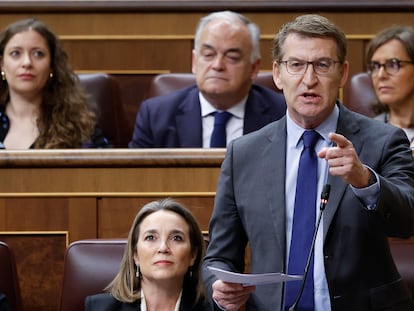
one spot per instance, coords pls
(329, 125)
(236, 110)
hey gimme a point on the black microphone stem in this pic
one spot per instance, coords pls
(324, 200)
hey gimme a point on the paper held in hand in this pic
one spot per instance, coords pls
(253, 279)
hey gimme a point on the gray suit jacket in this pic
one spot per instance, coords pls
(250, 207)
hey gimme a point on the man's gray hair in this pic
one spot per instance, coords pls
(232, 17)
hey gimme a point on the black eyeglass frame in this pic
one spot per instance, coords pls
(391, 66)
(329, 62)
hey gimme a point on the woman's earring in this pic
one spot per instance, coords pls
(51, 75)
(3, 76)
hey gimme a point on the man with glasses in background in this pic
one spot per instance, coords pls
(273, 195)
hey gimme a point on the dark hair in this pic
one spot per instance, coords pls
(405, 35)
(310, 25)
(126, 286)
(66, 119)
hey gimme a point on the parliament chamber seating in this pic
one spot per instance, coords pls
(9, 283)
(403, 253)
(360, 94)
(89, 266)
(105, 94)
(169, 82)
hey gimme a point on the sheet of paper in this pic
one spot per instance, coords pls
(253, 279)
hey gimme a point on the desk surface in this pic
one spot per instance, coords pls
(191, 157)
(110, 170)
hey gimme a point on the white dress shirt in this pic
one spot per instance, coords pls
(293, 150)
(368, 195)
(234, 127)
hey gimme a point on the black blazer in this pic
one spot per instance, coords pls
(106, 302)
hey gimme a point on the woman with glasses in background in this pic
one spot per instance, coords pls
(390, 58)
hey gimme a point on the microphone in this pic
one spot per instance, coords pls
(324, 200)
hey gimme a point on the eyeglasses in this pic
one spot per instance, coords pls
(391, 66)
(323, 66)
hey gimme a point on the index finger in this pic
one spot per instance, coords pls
(340, 140)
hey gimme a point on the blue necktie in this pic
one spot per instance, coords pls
(303, 225)
(218, 138)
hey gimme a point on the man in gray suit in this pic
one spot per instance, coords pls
(367, 163)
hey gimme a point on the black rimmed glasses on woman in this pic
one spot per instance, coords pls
(391, 66)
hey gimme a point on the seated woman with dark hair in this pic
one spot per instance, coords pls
(390, 58)
(42, 104)
(160, 269)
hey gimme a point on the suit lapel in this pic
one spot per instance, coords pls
(348, 127)
(187, 120)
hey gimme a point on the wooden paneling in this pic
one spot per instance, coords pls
(73, 180)
(91, 194)
(76, 185)
(163, 41)
(116, 214)
(140, 56)
(133, 42)
(203, 5)
(171, 24)
(42, 212)
(39, 260)
(130, 54)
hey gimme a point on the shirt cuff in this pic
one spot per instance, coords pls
(369, 195)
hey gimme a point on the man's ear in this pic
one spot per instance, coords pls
(255, 68)
(345, 73)
(193, 60)
(276, 76)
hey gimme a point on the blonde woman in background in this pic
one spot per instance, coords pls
(161, 266)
